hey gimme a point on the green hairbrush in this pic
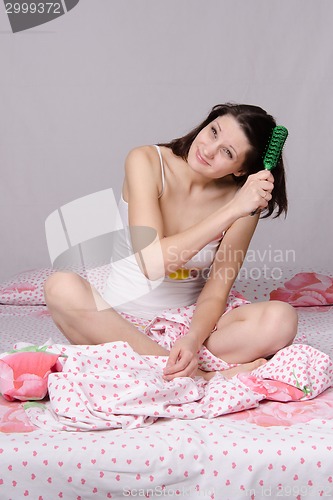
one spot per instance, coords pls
(274, 149)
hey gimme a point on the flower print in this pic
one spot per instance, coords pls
(23, 375)
(306, 289)
(272, 389)
(273, 413)
(13, 418)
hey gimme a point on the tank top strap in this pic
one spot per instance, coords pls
(162, 169)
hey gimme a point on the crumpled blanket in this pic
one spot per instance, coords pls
(111, 386)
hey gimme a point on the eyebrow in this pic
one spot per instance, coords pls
(231, 147)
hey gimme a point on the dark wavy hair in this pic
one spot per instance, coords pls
(257, 125)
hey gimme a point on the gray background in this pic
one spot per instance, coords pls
(79, 92)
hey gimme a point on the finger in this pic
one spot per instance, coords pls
(181, 363)
(173, 357)
(194, 372)
(189, 371)
(266, 195)
(265, 175)
(185, 363)
(263, 203)
(172, 365)
(260, 185)
(267, 185)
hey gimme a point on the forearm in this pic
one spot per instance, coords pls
(168, 254)
(206, 315)
(213, 299)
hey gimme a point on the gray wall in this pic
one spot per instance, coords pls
(79, 92)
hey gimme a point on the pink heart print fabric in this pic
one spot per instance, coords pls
(111, 386)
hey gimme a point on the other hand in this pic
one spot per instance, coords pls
(183, 359)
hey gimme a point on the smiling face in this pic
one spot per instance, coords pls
(219, 149)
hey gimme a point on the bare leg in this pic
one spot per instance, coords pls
(84, 317)
(253, 331)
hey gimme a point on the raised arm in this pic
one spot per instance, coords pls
(141, 189)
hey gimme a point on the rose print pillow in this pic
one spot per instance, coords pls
(24, 373)
(306, 289)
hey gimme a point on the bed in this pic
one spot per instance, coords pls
(276, 449)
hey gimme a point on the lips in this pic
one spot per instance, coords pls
(200, 158)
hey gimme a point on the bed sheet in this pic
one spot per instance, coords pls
(288, 453)
(275, 450)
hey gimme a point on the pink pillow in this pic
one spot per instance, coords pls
(23, 375)
(306, 289)
(26, 288)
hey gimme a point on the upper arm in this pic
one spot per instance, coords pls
(142, 185)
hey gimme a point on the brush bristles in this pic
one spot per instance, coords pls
(274, 149)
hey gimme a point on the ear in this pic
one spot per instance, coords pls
(240, 172)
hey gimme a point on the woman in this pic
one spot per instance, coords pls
(202, 194)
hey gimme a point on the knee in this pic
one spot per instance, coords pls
(282, 322)
(59, 286)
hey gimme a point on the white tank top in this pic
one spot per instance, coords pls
(127, 288)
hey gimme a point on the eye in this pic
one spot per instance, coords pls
(227, 152)
(214, 131)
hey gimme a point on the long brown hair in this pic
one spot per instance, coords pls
(257, 125)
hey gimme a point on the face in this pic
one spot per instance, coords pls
(219, 149)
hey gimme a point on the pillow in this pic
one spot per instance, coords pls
(26, 288)
(24, 374)
(306, 289)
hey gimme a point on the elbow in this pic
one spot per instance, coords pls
(154, 277)
(151, 270)
(151, 263)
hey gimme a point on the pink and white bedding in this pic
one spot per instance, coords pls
(275, 449)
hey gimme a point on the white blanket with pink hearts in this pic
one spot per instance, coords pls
(110, 386)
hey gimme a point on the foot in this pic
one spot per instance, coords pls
(246, 367)
(231, 372)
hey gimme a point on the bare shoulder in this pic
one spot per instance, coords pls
(143, 157)
(147, 152)
(142, 167)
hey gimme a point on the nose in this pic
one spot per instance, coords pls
(209, 150)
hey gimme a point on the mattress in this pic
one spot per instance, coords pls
(277, 449)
